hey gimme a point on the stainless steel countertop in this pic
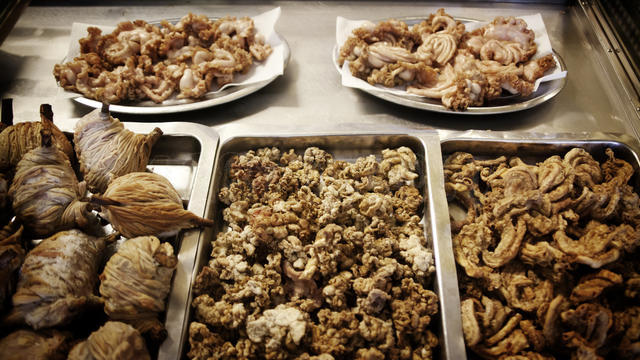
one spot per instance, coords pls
(310, 94)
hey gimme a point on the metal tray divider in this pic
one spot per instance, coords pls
(447, 280)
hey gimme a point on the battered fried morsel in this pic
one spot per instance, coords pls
(319, 259)
(140, 61)
(556, 222)
(438, 59)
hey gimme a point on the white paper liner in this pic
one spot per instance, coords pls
(345, 27)
(268, 69)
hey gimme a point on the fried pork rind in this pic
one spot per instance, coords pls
(107, 150)
(545, 255)
(57, 280)
(438, 59)
(140, 61)
(320, 259)
(139, 204)
(114, 340)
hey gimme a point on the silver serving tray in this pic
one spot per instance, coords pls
(502, 105)
(184, 154)
(533, 148)
(346, 145)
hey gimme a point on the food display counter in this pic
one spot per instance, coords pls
(209, 153)
(309, 93)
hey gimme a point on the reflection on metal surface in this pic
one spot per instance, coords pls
(9, 14)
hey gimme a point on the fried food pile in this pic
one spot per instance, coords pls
(140, 61)
(546, 255)
(319, 259)
(438, 59)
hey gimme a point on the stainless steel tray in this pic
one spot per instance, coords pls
(348, 145)
(532, 148)
(184, 154)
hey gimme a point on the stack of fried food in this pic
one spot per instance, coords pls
(140, 61)
(320, 259)
(546, 255)
(49, 285)
(438, 59)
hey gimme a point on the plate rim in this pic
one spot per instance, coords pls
(528, 103)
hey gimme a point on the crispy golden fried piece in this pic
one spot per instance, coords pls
(140, 61)
(532, 237)
(437, 59)
(320, 259)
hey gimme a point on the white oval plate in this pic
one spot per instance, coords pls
(173, 105)
(506, 104)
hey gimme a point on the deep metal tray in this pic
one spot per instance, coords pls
(184, 154)
(348, 145)
(533, 148)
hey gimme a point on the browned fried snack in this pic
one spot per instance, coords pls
(546, 254)
(438, 59)
(319, 259)
(140, 61)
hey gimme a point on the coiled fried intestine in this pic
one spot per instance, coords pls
(139, 61)
(438, 59)
(570, 265)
